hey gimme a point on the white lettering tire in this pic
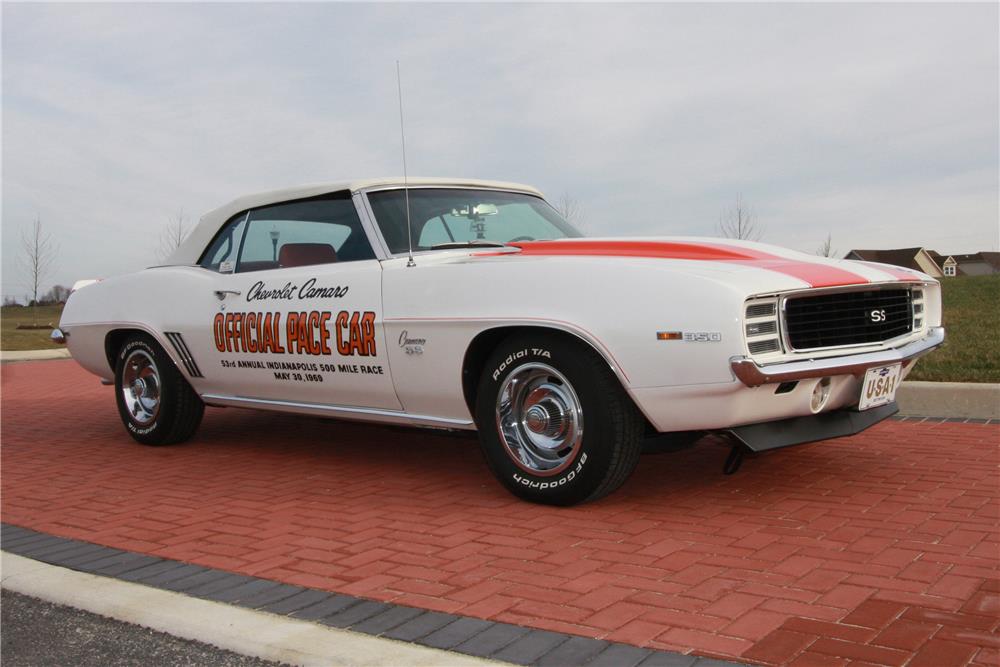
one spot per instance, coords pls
(155, 402)
(554, 423)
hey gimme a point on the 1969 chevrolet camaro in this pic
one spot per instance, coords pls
(564, 352)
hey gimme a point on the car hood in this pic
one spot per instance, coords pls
(696, 255)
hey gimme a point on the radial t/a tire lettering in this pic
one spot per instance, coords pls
(155, 402)
(554, 423)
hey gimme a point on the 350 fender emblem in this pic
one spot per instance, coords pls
(702, 336)
(690, 336)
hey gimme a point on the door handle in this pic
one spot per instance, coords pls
(221, 293)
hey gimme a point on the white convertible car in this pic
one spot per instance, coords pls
(564, 352)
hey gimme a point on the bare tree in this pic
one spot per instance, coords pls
(826, 248)
(173, 234)
(58, 294)
(38, 254)
(740, 222)
(569, 208)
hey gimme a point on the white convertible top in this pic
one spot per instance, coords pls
(190, 250)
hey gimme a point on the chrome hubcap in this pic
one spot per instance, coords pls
(540, 419)
(140, 386)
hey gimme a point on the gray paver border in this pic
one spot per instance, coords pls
(462, 634)
(943, 420)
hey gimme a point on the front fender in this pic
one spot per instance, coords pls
(618, 306)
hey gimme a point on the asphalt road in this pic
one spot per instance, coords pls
(38, 633)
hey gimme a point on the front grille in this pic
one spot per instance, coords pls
(760, 309)
(761, 328)
(759, 347)
(848, 318)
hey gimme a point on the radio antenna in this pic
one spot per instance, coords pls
(406, 188)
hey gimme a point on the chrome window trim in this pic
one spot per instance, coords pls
(443, 186)
(226, 223)
(370, 226)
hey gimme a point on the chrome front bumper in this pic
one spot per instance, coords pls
(753, 375)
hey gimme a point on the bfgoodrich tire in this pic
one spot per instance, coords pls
(155, 402)
(554, 423)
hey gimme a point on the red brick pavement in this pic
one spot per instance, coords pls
(882, 548)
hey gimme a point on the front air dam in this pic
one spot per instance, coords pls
(800, 430)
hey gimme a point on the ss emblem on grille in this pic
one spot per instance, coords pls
(877, 315)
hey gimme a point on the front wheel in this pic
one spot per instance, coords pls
(155, 402)
(554, 423)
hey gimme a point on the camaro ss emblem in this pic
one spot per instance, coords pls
(411, 345)
(877, 315)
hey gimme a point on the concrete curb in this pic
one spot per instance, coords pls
(261, 634)
(950, 399)
(33, 355)
(459, 637)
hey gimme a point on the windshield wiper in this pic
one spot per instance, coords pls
(468, 244)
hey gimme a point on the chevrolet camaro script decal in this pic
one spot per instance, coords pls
(309, 290)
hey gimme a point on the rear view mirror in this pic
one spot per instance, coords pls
(475, 212)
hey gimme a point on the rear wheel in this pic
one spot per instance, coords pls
(155, 402)
(554, 424)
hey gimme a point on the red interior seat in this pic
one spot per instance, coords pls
(306, 254)
(246, 267)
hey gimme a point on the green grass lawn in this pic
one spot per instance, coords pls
(12, 338)
(971, 350)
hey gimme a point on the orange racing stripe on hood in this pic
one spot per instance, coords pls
(814, 274)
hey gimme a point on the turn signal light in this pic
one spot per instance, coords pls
(669, 335)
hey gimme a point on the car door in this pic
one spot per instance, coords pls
(295, 313)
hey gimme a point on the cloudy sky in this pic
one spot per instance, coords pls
(876, 124)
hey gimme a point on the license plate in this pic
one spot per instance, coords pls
(879, 387)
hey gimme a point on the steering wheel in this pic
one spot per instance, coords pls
(522, 238)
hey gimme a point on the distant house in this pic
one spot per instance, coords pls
(933, 263)
(976, 264)
(949, 267)
(917, 259)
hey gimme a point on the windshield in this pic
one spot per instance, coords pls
(449, 216)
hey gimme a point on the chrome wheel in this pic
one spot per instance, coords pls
(540, 419)
(140, 387)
